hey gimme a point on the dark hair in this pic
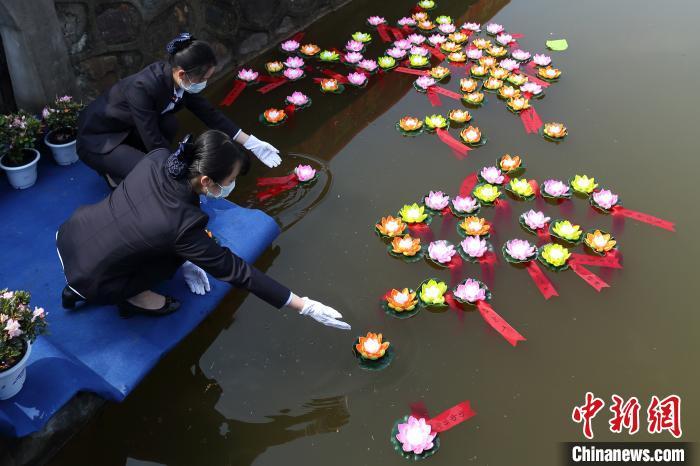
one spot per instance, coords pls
(213, 154)
(194, 56)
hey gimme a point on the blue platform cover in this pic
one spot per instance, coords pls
(94, 349)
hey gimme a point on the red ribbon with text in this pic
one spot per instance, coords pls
(498, 323)
(238, 87)
(644, 218)
(459, 149)
(446, 419)
(589, 277)
(445, 92)
(273, 85)
(609, 260)
(403, 69)
(276, 185)
(541, 281)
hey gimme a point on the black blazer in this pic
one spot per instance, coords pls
(150, 219)
(135, 103)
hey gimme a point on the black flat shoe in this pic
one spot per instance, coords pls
(127, 310)
(69, 298)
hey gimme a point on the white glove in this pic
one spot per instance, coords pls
(266, 152)
(323, 314)
(196, 278)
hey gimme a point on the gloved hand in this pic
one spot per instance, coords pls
(266, 152)
(323, 314)
(196, 278)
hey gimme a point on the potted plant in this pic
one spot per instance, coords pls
(19, 327)
(62, 120)
(19, 159)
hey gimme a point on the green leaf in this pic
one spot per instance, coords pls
(557, 44)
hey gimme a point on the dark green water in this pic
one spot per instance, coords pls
(256, 386)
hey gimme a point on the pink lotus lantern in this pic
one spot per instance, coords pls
(492, 175)
(520, 249)
(520, 55)
(437, 39)
(376, 20)
(368, 65)
(247, 75)
(298, 99)
(396, 52)
(424, 82)
(470, 291)
(415, 39)
(304, 172)
(474, 246)
(353, 57)
(541, 59)
(422, 51)
(406, 21)
(436, 200)
(464, 205)
(354, 46)
(474, 54)
(447, 28)
(532, 88)
(404, 44)
(415, 436)
(493, 28)
(476, 27)
(294, 62)
(357, 79)
(293, 73)
(555, 188)
(441, 251)
(605, 198)
(535, 219)
(509, 64)
(290, 45)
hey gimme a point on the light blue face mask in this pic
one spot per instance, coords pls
(224, 191)
(193, 88)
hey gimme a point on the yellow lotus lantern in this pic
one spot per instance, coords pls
(488, 62)
(549, 73)
(426, 25)
(478, 70)
(274, 66)
(468, 84)
(474, 226)
(401, 301)
(509, 92)
(499, 73)
(481, 43)
(518, 103)
(508, 163)
(390, 226)
(474, 98)
(407, 246)
(371, 346)
(457, 57)
(274, 115)
(470, 135)
(450, 46)
(600, 242)
(493, 84)
(439, 72)
(409, 123)
(459, 116)
(497, 51)
(458, 37)
(413, 213)
(555, 130)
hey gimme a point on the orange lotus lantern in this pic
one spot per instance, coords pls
(407, 245)
(471, 134)
(518, 103)
(549, 73)
(371, 346)
(329, 85)
(508, 163)
(459, 116)
(309, 49)
(426, 25)
(509, 92)
(420, 16)
(468, 84)
(493, 84)
(457, 57)
(450, 46)
(439, 72)
(555, 130)
(497, 51)
(401, 301)
(274, 115)
(481, 43)
(475, 226)
(487, 62)
(409, 123)
(600, 242)
(500, 73)
(458, 37)
(390, 226)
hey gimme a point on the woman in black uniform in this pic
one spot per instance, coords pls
(115, 251)
(136, 115)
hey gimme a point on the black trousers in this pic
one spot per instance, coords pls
(118, 162)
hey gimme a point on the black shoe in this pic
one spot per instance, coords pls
(127, 310)
(69, 298)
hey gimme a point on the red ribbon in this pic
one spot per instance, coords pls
(535, 187)
(447, 419)
(498, 323)
(531, 120)
(435, 52)
(645, 218)
(530, 67)
(403, 69)
(383, 31)
(433, 97)
(277, 185)
(543, 283)
(543, 234)
(273, 85)
(396, 32)
(460, 150)
(589, 277)
(468, 183)
(517, 35)
(609, 260)
(238, 87)
(339, 77)
(298, 36)
(446, 92)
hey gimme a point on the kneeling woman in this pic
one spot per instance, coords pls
(116, 251)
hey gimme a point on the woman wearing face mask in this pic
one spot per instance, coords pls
(137, 114)
(116, 251)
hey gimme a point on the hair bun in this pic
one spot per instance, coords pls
(179, 161)
(181, 42)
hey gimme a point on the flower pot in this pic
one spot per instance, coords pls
(12, 380)
(63, 154)
(24, 176)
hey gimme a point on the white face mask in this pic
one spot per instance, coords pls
(193, 88)
(224, 191)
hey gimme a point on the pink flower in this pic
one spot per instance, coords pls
(476, 27)
(447, 28)
(45, 113)
(289, 45)
(404, 44)
(555, 188)
(247, 75)
(492, 175)
(406, 21)
(65, 98)
(353, 57)
(474, 54)
(293, 73)
(494, 28)
(532, 88)
(354, 46)
(441, 251)
(8, 295)
(470, 291)
(396, 52)
(39, 313)
(437, 200)
(474, 246)
(416, 39)
(369, 65)
(12, 328)
(509, 64)
(294, 62)
(520, 54)
(605, 198)
(541, 59)
(422, 51)
(415, 436)
(520, 249)
(535, 219)
(304, 172)
(376, 20)
(297, 98)
(504, 39)
(358, 79)
(465, 204)
(437, 39)
(424, 82)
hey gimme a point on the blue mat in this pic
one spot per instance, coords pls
(94, 349)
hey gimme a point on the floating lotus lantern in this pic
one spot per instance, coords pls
(492, 175)
(471, 291)
(474, 98)
(555, 189)
(554, 256)
(396, 53)
(504, 39)
(474, 27)
(457, 57)
(410, 124)
(354, 46)
(309, 49)
(247, 75)
(459, 116)
(274, 66)
(441, 252)
(582, 184)
(401, 301)
(473, 248)
(305, 173)
(371, 346)
(294, 62)
(376, 20)
(405, 246)
(518, 104)
(486, 193)
(493, 84)
(471, 135)
(274, 116)
(353, 57)
(478, 70)
(437, 39)
(416, 438)
(474, 226)
(549, 73)
(419, 50)
(413, 213)
(418, 61)
(403, 44)
(554, 130)
(458, 37)
(416, 39)
(519, 251)
(390, 226)
(517, 79)
(520, 55)
(386, 62)
(462, 206)
(443, 19)
(468, 84)
(436, 200)
(329, 56)
(293, 74)
(289, 46)
(566, 231)
(508, 92)
(497, 51)
(426, 4)
(509, 163)
(531, 88)
(406, 21)
(422, 83)
(494, 29)
(541, 60)
(447, 28)
(435, 122)
(439, 72)
(420, 16)
(432, 292)
(474, 54)
(357, 79)
(488, 62)
(599, 242)
(481, 43)
(508, 64)
(368, 65)
(426, 25)
(331, 85)
(362, 37)
(604, 199)
(522, 188)
(450, 47)
(298, 99)
(534, 220)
